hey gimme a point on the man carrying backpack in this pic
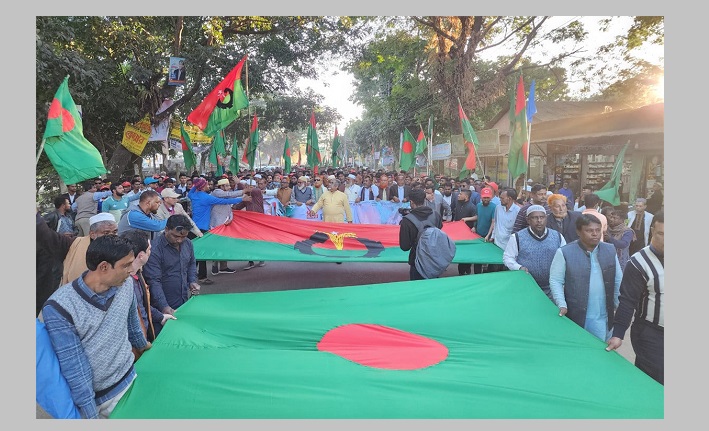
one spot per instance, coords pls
(415, 223)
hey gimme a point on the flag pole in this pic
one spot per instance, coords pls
(39, 152)
(429, 162)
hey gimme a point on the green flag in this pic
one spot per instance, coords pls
(250, 151)
(471, 143)
(335, 147)
(187, 152)
(221, 106)
(218, 151)
(427, 349)
(407, 156)
(610, 192)
(312, 150)
(234, 162)
(519, 136)
(72, 155)
(421, 144)
(286, 156)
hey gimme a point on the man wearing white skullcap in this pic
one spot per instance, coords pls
(75, 261)
(532, 249)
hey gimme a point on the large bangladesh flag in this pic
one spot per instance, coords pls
(489, 346)
(256, 236)
(74, 158)
(222, 105)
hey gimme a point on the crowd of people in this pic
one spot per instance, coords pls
(115, 260)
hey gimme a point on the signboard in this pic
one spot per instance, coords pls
(177, 71)
(488, 142)
(135, 137)
(441, 151)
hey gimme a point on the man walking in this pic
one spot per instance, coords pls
(642, 291)
(408, 232)
(585, 279)
(533, 248)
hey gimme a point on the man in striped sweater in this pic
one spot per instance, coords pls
(642, 292)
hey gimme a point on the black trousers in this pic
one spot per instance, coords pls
(649, 345)
(201, 264)
(464, 268)
(414, 274)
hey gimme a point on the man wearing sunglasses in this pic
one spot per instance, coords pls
(171, 270)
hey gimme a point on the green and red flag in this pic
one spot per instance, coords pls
(256, 236)
(250, 151)
(407, 156)
(470, 139)
(421, 144)
(286, 156)
(485, 347)
(74, 158)
(222, 105)
(335, 147)
(234, 162)
(187, 151)
(610, 192)
(519, 135)
(218, 152)
(312, 150)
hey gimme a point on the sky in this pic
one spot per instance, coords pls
(337, 85)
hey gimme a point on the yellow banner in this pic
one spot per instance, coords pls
(135, 138)
(196, 135)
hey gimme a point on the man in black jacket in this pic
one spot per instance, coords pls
(408, 232)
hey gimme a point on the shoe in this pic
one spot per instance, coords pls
(206, 281)
(339, 263)
(248, 267)
(227, 271)
(215, 270)
(262, 264)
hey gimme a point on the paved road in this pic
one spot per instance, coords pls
(276, 276)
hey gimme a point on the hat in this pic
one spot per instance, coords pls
(258, 176)
(474, 176)
(242, 181)
(330, 177)
(169, 193)
(223, 182)
(125, 184)
(251, 182)
(486, 192)
(199, 183)
(149, 180)
(530, 180)
(534, 208)
(302, 178)
(352, 177)
(169, 180)
(493, 185)
(104, 188)
(101, 217)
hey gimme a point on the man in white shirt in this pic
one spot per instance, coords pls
(352, 189)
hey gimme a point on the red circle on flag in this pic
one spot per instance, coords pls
(380, 346)
(407, 147)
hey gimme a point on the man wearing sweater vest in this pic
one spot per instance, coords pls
(93, 324)
(533, 248)
(585, 279)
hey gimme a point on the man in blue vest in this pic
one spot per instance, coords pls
(533, 248)
(585, 279)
